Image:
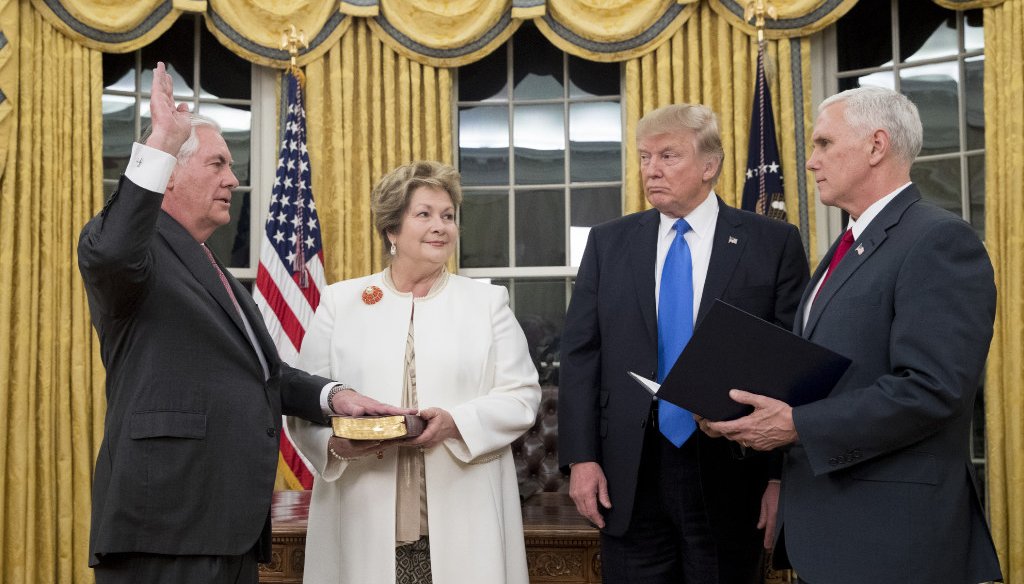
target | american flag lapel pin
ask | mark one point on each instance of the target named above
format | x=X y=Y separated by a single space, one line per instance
x=733 y=240
x=860 y=249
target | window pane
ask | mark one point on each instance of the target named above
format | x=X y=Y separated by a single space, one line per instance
x=536 y=65
x=176 y=48
x=223 y=74
x=595 y=141
x=590 y=207
x=589 y=78
x=483 y=222
x=118 y=134
x=540 y=228
x=976 y=183
x=236 y=127
x=486 y=79
x=854 y=52
x=540 y=309
x=119 y=71
x=939 y=182
x=935 y=91
x=880 y=79
x=483 y=145
x=974 y=34
x=974 y=88
x=539 y=139
x=927 y=31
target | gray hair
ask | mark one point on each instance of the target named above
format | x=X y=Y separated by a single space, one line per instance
x=870 y=108
x=189 y=147
x=684 y=117
x=390 y=198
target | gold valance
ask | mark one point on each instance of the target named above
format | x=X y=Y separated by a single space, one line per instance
x=612 y=30
x=111 y=26
x=440 y=33
x=252 y=29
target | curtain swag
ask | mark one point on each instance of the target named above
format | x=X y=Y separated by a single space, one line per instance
x=440 y=33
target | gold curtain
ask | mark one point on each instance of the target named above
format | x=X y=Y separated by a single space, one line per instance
x=368 y=110
x=675 y=72
x=1004 y=236
x=52 y=404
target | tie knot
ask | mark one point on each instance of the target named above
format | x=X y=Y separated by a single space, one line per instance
x=681 y=227
x=848 y=237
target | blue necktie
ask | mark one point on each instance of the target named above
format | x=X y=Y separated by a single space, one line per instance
x=675 y=327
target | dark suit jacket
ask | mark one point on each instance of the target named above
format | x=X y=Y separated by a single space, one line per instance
x=189 y=452
x=880 y=487
x=611 y=328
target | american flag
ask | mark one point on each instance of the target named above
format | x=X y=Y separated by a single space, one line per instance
x=291 y=270
x=762 y=190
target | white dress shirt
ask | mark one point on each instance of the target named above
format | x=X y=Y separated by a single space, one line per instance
x=699 y=238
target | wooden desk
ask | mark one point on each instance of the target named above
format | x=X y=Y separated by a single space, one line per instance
x=560 y=545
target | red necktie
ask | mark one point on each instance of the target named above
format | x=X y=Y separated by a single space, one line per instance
x=844 y=245
x=223 y=279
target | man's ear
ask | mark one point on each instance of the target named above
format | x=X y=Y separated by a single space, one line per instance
x=170 y=181
x=711 y=164
x=880 y=144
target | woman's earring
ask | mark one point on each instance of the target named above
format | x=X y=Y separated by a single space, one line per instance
x=394 y=250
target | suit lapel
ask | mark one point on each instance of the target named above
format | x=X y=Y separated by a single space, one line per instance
x=863 y=248
x=730 y=238
x=643 y=256
x=194 y=258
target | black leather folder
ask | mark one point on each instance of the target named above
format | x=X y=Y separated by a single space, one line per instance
x=734 y=349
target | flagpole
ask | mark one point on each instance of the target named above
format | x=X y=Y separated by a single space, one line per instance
x=292 y=39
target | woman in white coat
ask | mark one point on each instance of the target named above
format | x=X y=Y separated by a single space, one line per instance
x=443 y=507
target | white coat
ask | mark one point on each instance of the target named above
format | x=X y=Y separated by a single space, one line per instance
x=471 y=360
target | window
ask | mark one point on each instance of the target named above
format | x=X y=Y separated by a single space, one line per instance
x=214 y=82
x=936 y=58
x=540 y=152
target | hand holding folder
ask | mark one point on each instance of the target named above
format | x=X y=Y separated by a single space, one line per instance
x=732 y=349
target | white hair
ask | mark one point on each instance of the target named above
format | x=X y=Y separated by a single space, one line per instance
x=870 y=108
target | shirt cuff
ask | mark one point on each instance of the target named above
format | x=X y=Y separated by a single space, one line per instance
x=324 y=406
x=150 y=168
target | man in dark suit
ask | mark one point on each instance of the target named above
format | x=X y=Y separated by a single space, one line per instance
x=195 y=387
x=668 y=513
x=877 y=482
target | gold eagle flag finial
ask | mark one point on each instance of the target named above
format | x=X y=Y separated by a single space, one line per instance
x=292 y=40
x=755 y=11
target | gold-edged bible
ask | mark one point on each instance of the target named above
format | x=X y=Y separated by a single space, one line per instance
x=377 y=427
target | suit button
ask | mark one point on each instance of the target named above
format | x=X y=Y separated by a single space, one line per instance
x=833 y=461
x=271 y=432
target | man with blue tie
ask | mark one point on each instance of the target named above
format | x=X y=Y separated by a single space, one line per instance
x=674 y=505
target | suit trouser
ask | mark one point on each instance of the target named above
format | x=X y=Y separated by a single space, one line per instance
x=669 y=540
x=137 y=568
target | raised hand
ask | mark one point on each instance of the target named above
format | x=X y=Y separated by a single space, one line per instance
x=171 y=125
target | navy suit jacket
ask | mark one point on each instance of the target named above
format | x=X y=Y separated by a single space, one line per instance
x=189 y=451
x=757 y=264
x=880 y=487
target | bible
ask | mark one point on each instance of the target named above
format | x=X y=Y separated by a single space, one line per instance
x=377 y=427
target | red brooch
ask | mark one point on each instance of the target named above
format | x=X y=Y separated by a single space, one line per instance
x=372 y=295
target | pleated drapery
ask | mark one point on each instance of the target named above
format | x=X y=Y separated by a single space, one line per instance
x=1004 y=237
x=52 y=404
x=379 y=95
x=374 y=109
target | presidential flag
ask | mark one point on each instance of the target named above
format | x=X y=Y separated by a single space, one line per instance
x=762 y=190
x=291 y=271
